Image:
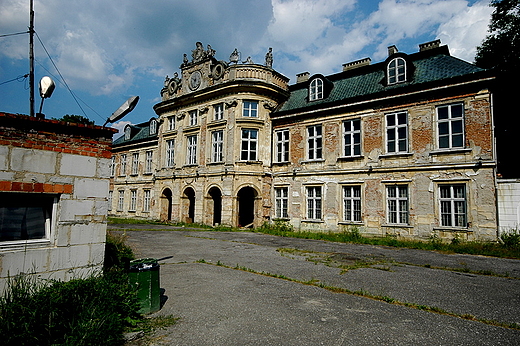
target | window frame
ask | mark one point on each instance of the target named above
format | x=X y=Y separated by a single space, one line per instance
x=191 y=150
x=113 y=166
x=171 y=123
x=394 y=75
x=153 y=127
x=352 y=203
x=218 y=111
x=394 y=205
x=456 y=219
x=281 y=202
x=282 y=145
x=148 y=161
x=314 y=202
x=249 y=145
x=121 y=200
x=354 y=137
x=122 y=165
x=248 y=111
x=450 y=121
x=133 y=200
x=170 y=153
x=48 y=203
x=147 y=198
x=393 y=133
x=315 y=143
x=135 y=163
x=316 y=89
x=217 y=146
x=193 y=116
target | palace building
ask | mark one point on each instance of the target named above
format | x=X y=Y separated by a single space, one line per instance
x=401 y=147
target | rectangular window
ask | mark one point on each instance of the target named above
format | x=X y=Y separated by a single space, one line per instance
x=122 y=165
x=281 y=199
x=450 y=126
x=314 y=142
x=314 y=202
x=121 y=200
x=25 y=216
x=135 y=163
x=352 y=203
x=397 y=204
x=397 y=132
x=352 y=137
x=149 y=161
x=217 y=143
x=110 y=196
x=170 y=151
x=191 y=156
x=171 y=123
x=249 y=142
x=133 y=200
x=282 y=146
x=218 y=111
x=146 y=200
x=453 y=205
x=193 y=117
x=113 y=166
x=250 y=109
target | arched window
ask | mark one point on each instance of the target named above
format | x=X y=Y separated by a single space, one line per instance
x=316 y=89
x=153 y=127
x=128 y=132
x=396 y=71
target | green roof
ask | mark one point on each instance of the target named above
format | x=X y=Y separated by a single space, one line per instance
x=427 y=67
x=138 y=133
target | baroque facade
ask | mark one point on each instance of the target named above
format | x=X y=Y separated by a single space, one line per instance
x=402 y=147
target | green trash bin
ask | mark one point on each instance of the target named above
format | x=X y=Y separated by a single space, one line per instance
x=144 y=277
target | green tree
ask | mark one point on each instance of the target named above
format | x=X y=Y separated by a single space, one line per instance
x=78 y=119
x=501 y=48
x=500 y=51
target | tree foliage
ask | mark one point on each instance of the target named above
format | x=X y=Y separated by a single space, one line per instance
x=501 y=48
x=78 y=119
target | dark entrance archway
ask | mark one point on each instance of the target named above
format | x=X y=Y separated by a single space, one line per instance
x=189 y=205
x=246 y=206
x=216 y=197
x=166 y=205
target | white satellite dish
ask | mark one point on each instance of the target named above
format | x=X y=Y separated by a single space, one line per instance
x=46 y=88
x=125 y=108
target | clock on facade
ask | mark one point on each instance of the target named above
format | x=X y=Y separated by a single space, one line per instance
x=195 y=80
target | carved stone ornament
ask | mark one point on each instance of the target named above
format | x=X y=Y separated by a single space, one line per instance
x=271 y=106
x=173 y=84
x=231 y=103
x=218 y=70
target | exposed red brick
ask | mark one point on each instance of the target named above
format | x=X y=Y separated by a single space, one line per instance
x=5 y=186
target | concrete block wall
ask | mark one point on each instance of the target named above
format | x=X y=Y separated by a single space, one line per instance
x=508 y=195
x=72 y=163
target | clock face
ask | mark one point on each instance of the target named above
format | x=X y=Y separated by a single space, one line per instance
x=195 y=80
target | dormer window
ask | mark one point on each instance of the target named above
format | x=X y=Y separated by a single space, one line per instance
x=153 y=127
x=396 y=71
x=128 y=133
x=316 y=89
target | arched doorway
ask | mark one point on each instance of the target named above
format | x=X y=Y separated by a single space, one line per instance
x=189 y=205
x=166 y=205
x=216 y=198
x=246 y=206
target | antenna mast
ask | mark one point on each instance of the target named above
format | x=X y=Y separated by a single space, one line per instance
x=31 y=60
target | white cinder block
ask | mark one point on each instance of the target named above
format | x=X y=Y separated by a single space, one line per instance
x=104 y=168
x=91 y=188
x=4 y=152
x=38 y=161
x=70 y=209
x=77 y=165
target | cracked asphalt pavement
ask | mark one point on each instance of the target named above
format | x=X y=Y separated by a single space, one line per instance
x=243 y=288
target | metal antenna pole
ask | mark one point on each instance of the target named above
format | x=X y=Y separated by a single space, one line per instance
x=31 y=60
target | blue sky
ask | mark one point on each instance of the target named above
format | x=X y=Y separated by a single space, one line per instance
x=108 y=51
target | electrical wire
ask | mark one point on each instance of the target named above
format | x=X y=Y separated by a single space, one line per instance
x=18 y=79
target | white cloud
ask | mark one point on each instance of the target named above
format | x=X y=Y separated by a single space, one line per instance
x=120 y=126
x=466 y=30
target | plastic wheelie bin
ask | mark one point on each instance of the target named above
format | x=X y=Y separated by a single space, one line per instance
x=144 y=277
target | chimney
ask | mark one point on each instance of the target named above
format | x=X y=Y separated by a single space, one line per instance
x=392 y=50
x=429 y=45
x=302 y=77
x=355 y=64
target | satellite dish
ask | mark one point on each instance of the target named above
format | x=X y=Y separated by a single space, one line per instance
x=125 y=108
x=46 y=87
